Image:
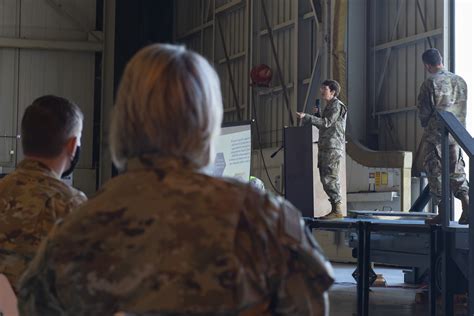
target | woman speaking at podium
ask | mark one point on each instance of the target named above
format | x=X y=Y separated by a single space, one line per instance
x=331 y=144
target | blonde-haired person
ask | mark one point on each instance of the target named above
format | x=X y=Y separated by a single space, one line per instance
x=163 y=238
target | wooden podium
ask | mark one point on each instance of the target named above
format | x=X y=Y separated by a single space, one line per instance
x=303 y=187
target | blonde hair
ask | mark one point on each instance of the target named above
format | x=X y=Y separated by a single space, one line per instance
x=169 y=102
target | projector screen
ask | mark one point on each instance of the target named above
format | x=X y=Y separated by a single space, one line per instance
x=233 y=152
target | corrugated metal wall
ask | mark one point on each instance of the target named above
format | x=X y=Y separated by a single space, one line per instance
x=29 y=72
x=294 y=33
x=400 y=31
x=247 y=41
x=8 y=83
x=197 y=27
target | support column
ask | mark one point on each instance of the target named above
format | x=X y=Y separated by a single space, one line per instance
x=105 y=171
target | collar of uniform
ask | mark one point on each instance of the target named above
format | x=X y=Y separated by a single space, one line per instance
x=36 y=166
x=440 y=71
x=150 y=161
x=333 y=100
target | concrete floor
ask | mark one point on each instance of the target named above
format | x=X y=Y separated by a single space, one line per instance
x=396 y=299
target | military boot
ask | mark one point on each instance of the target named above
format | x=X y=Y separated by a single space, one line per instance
x=438 y=219
x=464 y=219
x=336 y=212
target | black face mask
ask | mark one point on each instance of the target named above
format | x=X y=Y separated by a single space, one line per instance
x=74 y=162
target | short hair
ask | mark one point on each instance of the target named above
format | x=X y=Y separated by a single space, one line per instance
x=169 y=103
x=432 y=57
x=333 y=85
x=47 y=124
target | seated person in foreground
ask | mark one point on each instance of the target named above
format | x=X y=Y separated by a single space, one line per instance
x=163 y=238
x=33 y=197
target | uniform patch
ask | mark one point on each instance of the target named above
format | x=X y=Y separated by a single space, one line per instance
x=291 y=224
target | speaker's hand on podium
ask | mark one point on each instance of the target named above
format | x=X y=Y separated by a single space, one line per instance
x=300 y=115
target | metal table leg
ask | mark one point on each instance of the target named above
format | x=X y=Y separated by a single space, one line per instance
x=366 y=268
x=432 y=288
x=448 y=295
x=471 y=239
x=360 y=266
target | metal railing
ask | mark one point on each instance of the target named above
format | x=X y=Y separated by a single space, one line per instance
x=454 y=128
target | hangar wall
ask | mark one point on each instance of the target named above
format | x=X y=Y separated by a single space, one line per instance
x=48 y=47
x=400 y=31
x=51 y=46
x=385 y=40
x=245 y=40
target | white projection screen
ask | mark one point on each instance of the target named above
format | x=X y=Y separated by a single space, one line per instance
x=233 y=152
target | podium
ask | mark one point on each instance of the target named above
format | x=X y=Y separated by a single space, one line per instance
x=298 y=168
x=303 y=188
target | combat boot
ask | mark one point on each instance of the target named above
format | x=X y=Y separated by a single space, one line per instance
x=336 y=212
x=464 y=219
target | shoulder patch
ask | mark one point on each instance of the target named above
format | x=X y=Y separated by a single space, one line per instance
x=291 y=222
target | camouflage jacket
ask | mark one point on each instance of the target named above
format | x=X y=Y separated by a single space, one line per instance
x=164 y=239
x=331 y=125
x=32 y=199
x=441 y=91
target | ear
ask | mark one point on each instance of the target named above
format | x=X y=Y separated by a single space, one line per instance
x=71 y=146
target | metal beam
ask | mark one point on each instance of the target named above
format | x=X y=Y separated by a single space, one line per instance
x=61 y=10
x=280 y=27
x=229 y=70
x=295 y=49
x=447 y=286
x=449 y=53
x=471 y=239
x=423 y=20
x=313 y=83
x=387 y=57
x=446 y=195
x=275 y=89
x=277 y=62
x=458 y=132
x=433 y=273
x=84 y=46
x=228 y=6
x=309 y=15
x=207 y=11
x=232 y=57
x=233 y=109
x=396 y=111
x=195 y=30
x=108 y=59
x=409 y=39
x=314 y=12
x=317 y=10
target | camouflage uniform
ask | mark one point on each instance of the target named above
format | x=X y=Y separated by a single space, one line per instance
x=331 y=145
x=32 y=198
x=442 y=91
x=163 y=239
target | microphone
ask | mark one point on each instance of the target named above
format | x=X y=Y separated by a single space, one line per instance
x=318 y=107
